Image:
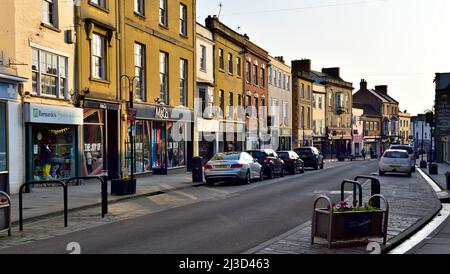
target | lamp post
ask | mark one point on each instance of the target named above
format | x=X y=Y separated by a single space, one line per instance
x=131 y=119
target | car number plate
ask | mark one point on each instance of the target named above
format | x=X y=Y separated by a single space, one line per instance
x=395 y=166
x=222 y=167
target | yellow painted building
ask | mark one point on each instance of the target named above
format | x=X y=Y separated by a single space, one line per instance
x=405 y=127
x=158 y=46
x=229 y=85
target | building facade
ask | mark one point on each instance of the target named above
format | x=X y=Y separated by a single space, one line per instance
x=229 y=85
x=163 y=90
x=207 y=125
x=357 y=131
x=256 y=94
x=405 y=136
x=36 y=87
x=302 y=103
x=388 y=108
x=319 y=117
x=371 y=129
x=339 y=116
x=442 y=117
x=280 y=104
x=421 y=132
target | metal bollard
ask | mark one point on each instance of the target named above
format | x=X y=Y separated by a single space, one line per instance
x=104 y=193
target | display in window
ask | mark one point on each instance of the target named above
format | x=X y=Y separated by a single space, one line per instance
x=94 y=133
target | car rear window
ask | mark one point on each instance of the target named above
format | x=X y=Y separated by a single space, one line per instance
x=396 y=155
x=227 y=157
x=303 y=151
x=258 y=154
x=409 y=149
x=283 y=154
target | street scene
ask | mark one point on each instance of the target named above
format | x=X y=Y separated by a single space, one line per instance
x=212 y=127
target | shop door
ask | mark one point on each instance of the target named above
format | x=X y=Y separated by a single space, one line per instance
x=4 y=185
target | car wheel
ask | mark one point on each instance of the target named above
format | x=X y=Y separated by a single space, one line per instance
x=271 y=173
x=409 y=174
x=316 y=167
x=413 y=169
x=282 y=172
x=322 y=165
x=381 y=173
x=294 y=171
x=261 y=175
x=210 y=182
x=248 y=178
x=303 y=170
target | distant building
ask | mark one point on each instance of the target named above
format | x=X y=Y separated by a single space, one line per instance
x=372 y=129
x=338 y=109
x=319 y=117
x=280 y=104
x=442 y=108
x=421 y=134
x=358 y=131
x=405 y=136
x=384 y=104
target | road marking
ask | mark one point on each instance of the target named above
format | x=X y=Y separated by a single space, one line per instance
x=435 y=186
x=192 y=197
x=215 y=189
x=424 y=232
x=164 y=199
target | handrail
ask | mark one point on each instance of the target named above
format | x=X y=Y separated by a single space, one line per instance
x=313 y=230
x=104 y=189
x=385 y=224
x=355 y=185
x=64 y=185
x=4 y=194
x=375 y=187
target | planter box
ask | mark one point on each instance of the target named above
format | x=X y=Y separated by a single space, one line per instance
x=122 y=187
x=349 y=225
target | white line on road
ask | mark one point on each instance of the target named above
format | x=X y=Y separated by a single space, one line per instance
x=430 y=227
x=424 y=232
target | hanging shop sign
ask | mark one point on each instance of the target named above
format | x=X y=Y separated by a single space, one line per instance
x=46 y=114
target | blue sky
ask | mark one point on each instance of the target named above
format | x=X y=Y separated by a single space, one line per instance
x=400 y=43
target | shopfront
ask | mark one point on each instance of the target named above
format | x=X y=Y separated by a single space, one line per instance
x=232 y=137
x=285 y=139
x=340 y=141
x=100 y=142
x=162 y=140
x=52 y=138
x=208 y=138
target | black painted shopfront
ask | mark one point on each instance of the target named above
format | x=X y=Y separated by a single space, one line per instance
x=163 y=140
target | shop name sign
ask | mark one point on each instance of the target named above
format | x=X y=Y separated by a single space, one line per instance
x=46 y=114
x=161 y=113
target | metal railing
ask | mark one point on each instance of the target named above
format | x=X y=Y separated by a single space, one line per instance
x=61 y=183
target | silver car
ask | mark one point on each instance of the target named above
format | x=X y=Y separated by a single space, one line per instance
x=233 y=166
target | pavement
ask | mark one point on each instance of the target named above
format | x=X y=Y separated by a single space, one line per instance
x=48 y=201
x=438 y=242
x=235 y=218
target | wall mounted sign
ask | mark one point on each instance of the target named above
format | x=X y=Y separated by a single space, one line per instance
x=47 y=114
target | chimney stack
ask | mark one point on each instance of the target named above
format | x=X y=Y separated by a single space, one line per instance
x=280 y=58
x=333 y=72
x=301 y=65
x=383 y=89
x=363 y=84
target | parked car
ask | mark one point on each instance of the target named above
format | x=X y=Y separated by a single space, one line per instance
x=397 y=161
x=292 y=162
x=233 y=166
x=271 y=163
x=311 y=157
x=411 y=154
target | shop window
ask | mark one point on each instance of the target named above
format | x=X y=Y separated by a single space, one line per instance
x=3 y=158
x=141 y=147
x=176 y=146
x=159 y=145
x=53 y=152
x=93 y=142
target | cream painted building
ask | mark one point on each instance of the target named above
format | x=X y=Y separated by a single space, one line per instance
x=207 y=126
x=405 y=127
x=280 y=104
x=319 y=118
x=37 y=48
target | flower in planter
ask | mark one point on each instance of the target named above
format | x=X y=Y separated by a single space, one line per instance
x=345 y=206
x=3 y=200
